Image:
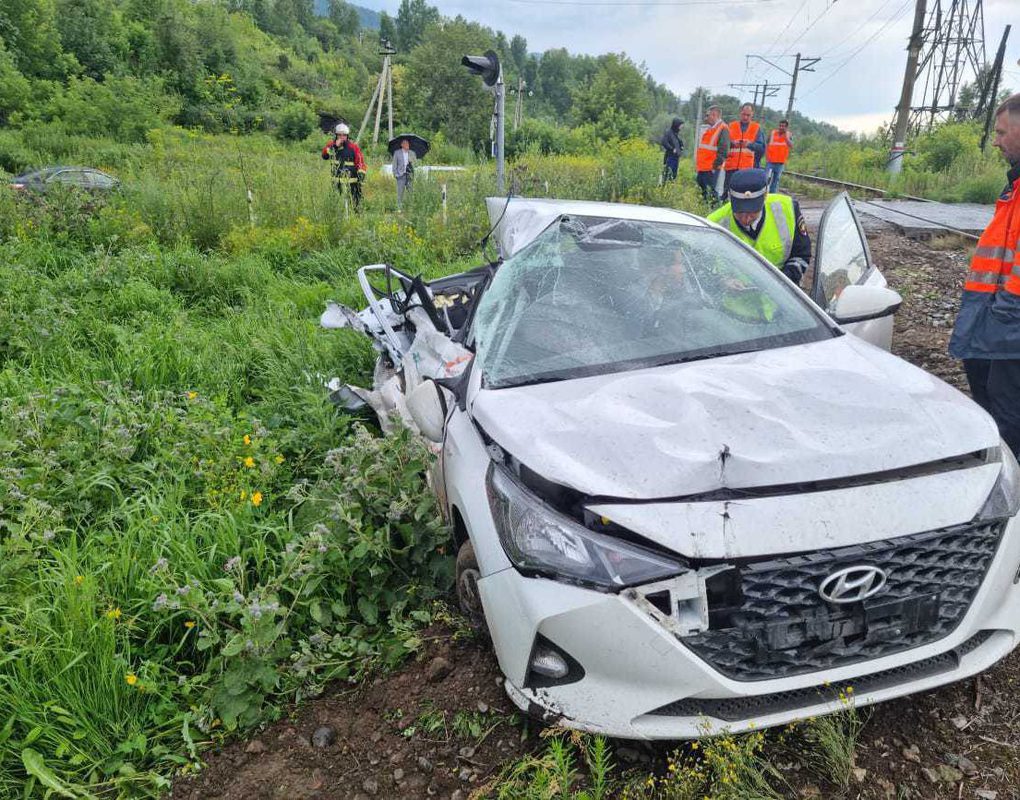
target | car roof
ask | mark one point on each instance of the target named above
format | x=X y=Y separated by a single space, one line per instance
x=43 y=172
x=519 y=220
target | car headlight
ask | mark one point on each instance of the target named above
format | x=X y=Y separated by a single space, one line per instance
x=1004 y=500
x=540 y=540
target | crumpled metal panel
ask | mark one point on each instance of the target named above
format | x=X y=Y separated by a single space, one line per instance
x=782 y=627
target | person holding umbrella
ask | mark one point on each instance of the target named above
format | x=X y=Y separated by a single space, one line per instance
x=406 y=149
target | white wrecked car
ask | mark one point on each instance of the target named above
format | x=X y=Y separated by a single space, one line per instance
x=685 y=498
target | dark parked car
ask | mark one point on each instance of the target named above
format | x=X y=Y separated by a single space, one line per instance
x=86 y=178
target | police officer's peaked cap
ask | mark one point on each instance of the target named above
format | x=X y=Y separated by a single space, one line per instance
x=747 y=190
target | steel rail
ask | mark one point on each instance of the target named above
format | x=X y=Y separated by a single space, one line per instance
x=883 y=192
x=834 y=182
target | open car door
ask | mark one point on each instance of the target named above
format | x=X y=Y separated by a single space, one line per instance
x=842 y=259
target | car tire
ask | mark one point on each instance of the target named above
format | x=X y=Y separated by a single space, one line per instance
x=468 y=597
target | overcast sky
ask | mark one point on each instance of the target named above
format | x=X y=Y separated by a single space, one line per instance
x=687 y=43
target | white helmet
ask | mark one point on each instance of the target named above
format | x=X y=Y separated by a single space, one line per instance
x=341 y=128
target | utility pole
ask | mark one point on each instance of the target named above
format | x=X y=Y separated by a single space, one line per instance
x=500 y=131
x=993 y=80
x=767 y=90
x=909 y=75
x=519 y=104
x=952 y=45
x=383 y=88
x=697 y=127
x=793 y=87
x=801 y=64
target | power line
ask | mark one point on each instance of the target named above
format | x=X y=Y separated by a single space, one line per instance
x=789 y=47
x=898 y=14
x=760 y=70
x=815 y=21
x=782 y=33
x=850 y=36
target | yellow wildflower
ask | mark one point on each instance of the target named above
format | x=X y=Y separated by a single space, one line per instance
x=278 y=459
x=113 y=613
x=79 y=580
x=131 y=679
x=246 y=439
x=249 y=462
x=189 y=624
x=192 y=395
x=256 y=499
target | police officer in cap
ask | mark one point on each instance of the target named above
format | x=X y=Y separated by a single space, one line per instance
x=770 y=223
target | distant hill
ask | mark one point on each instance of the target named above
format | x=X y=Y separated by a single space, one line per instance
x=367 y=17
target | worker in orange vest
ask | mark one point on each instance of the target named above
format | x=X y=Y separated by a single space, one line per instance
x=713 y=146
x=987 y=331
x=747 y=144
x=777 y=151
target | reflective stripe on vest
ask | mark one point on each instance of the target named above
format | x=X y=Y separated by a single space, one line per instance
x=708 y=147
x=775 y=239
x=740 y=155
x=778 y=149
x=996 y=258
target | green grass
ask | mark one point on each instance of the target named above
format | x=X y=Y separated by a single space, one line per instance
x=191 y=536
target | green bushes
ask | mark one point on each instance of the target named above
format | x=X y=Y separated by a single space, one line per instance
x=295 y=122
x=943 y=164
x=191 y=536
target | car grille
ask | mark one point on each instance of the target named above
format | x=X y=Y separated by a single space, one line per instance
x=767 y=620
x=732 y=709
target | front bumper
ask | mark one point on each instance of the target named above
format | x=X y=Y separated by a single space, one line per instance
x=641 y=682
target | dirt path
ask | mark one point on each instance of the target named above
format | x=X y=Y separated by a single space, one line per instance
x=443 y=726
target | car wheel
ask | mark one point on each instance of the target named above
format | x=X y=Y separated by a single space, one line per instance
x=468 y=574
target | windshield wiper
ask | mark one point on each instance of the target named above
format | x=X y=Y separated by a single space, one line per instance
x=575 y=373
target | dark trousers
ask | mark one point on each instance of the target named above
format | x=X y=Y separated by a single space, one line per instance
x=706 y=181
x=995 y=386
x=670 y=164
x=726 y=185
x=355 y=189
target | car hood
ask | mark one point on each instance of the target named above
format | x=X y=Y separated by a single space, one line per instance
x=818 y=411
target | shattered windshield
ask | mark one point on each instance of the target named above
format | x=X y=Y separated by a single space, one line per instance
x=594 y=295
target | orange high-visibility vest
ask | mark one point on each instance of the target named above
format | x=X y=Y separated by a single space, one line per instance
x=996 y=261
x=741 y=155
x=988 y=325
x=778 y=148
x=708 y=147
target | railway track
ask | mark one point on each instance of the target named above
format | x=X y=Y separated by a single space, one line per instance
x=882 y=193
x=849 y=185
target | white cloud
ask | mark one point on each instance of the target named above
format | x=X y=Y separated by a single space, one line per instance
x=688 y=46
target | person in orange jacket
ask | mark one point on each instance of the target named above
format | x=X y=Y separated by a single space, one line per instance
x=747 y=145
x=349 y=164
x=987 y=331
x=777 y=151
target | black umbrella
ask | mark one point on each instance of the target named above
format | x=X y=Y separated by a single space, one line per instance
x=418 y=145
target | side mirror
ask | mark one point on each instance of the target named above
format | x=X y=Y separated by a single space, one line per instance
x=427 y=407
x=861 y=303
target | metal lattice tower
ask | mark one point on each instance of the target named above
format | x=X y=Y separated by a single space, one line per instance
x=952 y=52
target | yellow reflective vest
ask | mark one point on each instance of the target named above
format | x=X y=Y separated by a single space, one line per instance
x=775 y=240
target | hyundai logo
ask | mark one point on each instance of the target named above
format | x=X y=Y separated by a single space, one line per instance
x=851 y=585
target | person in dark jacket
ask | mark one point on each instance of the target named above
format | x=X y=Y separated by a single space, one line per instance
x=349 y=165
x=987 y=331
x=673 y=147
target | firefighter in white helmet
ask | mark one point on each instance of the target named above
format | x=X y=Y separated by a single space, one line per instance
x=348 y=162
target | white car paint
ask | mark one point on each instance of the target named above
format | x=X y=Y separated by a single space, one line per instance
x=828 y=409
x=785 y=454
